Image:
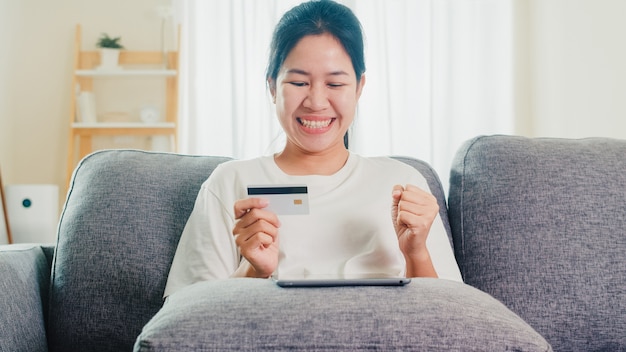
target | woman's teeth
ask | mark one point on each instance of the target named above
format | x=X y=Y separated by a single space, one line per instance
x=315 y=124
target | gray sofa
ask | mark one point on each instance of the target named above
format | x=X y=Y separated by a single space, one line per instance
x=538 y=227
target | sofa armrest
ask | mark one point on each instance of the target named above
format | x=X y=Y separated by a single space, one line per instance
x=24 y=282
x=539 y=224
x=256 y=314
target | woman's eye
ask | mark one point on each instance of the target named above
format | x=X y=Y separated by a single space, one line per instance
x=335 y=85
x=298 y=84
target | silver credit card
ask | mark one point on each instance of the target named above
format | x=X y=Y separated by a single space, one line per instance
x=283 y=199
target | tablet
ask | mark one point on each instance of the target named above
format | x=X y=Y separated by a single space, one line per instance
x=398 y=281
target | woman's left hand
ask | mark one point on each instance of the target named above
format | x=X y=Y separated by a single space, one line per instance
x=413 y=212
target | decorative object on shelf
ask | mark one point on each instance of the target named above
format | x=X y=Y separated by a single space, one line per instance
x=109 y=52
x=86 y=107
x=150 y=114
x=5 y=214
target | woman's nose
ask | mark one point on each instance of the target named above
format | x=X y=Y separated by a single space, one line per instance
x=317 y=98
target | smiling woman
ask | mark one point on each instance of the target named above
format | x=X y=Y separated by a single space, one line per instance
x=368 y=217
x=437 y=74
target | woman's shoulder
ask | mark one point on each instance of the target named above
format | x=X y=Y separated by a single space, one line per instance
x=398 y=169
x=391 y=163
x=241 y=165
x=235 y=171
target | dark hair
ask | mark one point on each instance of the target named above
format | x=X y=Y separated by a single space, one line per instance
x=314 y=18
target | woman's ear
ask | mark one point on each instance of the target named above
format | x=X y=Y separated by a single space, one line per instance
x=272 y=85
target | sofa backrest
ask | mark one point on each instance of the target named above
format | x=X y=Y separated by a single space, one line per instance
x=118 y=233
x=540 y=224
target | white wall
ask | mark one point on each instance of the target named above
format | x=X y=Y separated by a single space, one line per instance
x=36 y=61
x=577 y=82
x=7 y=10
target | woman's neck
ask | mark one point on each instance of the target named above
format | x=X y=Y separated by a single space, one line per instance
x=298 y=163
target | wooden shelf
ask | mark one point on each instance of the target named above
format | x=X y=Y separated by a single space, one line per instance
x=133 y=65
x=124 y=72
x=123 y=125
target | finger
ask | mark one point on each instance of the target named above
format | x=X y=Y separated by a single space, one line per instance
x=243 y=206
x=259 y=239
x=254 y=240
x=415 y=208
x=262 y=214
x=251 y=216
x=256 y=220
x=262 y=239
x=426 y=210
x=396 y=194
x=417 y=223
x=414 y=194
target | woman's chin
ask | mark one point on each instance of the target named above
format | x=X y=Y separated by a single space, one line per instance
x=320 y=147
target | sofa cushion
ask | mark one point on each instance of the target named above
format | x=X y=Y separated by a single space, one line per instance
x=540 y=225
x=256 y=314
x=118 y=232
x=23 y=294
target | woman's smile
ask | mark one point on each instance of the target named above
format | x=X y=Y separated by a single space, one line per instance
x=315 y=125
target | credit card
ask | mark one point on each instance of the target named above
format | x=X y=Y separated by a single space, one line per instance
x=283 y=199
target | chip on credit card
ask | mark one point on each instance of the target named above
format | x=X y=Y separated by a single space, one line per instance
x=283 y=199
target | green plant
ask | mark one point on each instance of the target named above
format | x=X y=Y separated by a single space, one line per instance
x=107 y=42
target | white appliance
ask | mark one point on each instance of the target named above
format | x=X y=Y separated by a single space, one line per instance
x=33 y=212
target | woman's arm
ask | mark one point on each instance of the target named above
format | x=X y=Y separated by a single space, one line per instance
x=413 y=212
x=205 y=250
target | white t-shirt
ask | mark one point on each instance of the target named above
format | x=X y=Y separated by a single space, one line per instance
x=347 y=233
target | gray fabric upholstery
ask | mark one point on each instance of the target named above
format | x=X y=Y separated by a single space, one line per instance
x=25 y=275
x=118 y=233
x=540 y=224
x=48 y=251
x=257 y=315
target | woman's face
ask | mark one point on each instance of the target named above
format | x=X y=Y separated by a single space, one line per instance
x=316 y=93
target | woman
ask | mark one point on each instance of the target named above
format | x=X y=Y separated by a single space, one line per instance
x=369 y=217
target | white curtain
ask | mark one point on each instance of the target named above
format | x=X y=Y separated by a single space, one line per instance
x=438 y=73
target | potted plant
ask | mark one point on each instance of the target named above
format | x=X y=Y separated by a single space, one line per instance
x=109 y=52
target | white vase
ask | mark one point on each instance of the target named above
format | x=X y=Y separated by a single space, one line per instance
x=109 y=59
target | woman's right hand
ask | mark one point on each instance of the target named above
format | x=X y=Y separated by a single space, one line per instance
x=256 y=235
